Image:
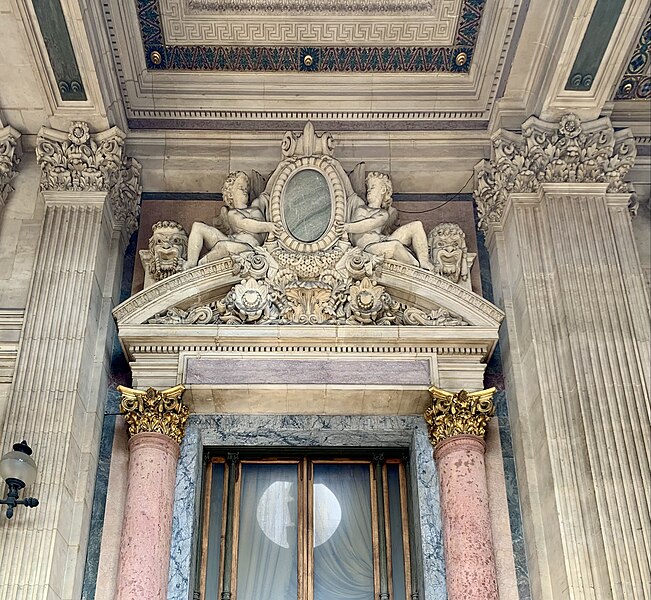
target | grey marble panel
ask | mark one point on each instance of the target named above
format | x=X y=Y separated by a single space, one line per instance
x=251 y=370
x=283 y=431
x=307 y=205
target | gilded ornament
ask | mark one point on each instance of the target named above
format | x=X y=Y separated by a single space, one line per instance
x=156 y=57
x=461 y=59
x=460 y=413
x=154 y=411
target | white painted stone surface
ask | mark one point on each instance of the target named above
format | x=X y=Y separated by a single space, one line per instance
x=576 y=349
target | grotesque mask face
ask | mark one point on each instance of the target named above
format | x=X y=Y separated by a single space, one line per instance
x=448 y=251
x=169 y=249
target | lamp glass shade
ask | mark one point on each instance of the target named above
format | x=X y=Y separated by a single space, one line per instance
x=18 y=465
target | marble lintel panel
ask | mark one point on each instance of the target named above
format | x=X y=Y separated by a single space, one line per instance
x=254 y=370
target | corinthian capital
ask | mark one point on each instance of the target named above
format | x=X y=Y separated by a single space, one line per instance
x=154 y=411
x=9 y=159
x=564 y=152
x=460 y=413
x=80 y=161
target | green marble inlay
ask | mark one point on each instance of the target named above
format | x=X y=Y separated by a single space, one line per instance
x=59 y=48
x=596 y=39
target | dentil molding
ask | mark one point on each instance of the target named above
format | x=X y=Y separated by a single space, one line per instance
x=564 y=152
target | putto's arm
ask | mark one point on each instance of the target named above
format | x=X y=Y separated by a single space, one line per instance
x=373 y=223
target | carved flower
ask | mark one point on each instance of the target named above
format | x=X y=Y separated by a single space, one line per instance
x=251 y=299
x=570 y=126
x=79 y=133
x=366 y=300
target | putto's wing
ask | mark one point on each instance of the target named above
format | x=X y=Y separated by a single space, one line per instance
x=258 y=183
x=221 y=222
x=392 y=222
x=358 y=179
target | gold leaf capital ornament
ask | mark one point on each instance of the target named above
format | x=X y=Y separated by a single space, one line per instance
x=460 y=413
x=154 y=411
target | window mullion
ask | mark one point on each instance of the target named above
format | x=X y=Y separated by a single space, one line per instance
x=232 y=506
x=309 y=530
x=378 y=459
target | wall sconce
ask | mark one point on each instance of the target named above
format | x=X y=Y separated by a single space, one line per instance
x=18 y=469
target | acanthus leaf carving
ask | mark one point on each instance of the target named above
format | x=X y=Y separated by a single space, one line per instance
x=9 y=159
x=567 y=152
x=274 y=294
x=81 y=161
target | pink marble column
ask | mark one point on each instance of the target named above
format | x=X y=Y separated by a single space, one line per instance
x=156 y=422
x=456 y=425
x=469 y=559
x=147 y=528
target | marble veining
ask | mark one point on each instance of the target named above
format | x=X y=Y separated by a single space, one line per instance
x=308 y=431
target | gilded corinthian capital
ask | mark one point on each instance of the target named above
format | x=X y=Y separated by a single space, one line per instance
x=460 y=413
x=154 y=411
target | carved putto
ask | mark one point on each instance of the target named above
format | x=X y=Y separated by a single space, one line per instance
x=167 y=252
x=308 y=249
x=243 y=227
x=449 y=253
x=370 y=227
x=567 y=152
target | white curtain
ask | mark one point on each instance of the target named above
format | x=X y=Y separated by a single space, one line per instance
x=343 y=556
x=268 y=539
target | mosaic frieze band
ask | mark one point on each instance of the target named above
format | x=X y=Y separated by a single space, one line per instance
x=161 y=55
x=636 y=82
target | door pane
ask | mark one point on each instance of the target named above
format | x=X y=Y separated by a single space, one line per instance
x=267 y=563
x=343 y=542
x=215 y=531
x=397 y=543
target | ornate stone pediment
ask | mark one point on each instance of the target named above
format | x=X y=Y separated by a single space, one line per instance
x=310 y=250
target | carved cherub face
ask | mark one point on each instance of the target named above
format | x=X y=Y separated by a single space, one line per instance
x=236 y=190
x=448 y=251
x=378 y=190
x=169 y=249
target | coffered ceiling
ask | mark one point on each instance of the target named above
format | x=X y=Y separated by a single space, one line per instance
x=215 y=64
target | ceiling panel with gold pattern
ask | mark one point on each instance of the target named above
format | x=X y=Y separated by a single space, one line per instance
x=346 y=64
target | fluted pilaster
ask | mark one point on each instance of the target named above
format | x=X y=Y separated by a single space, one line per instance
x=60 y=378
x=554 y=205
